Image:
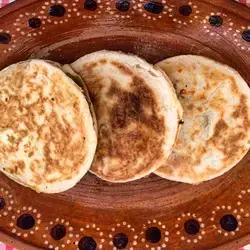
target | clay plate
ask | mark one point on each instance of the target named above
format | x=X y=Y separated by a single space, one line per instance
x=151 y=213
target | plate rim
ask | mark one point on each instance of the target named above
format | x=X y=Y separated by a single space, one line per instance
x=233 y=7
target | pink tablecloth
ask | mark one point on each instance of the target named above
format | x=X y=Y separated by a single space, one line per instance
x=4 y=247
x=243 y=248
x=245 y=2
x=5 y=2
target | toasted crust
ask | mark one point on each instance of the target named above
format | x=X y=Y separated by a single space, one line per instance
x=47 y=138
x=216 y=131
x=137 y=114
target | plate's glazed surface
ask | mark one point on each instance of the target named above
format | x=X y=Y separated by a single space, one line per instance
x=151 y=213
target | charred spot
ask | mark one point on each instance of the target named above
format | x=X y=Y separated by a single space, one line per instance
x=90 y=66
x=30 y=154
x=200 y=109
x=202 y=98
x=183 y=92
x=236 y=113
x=244 y=111
x=220 y=127
x=133 y=107
x=20 y=166
x=135 y=102
x=103 y=61
x=122 y=68
x=190 y=107
x=186 y=92
x=199 y=98
x=113 y=90
x=138 y=81
x=118 y=117
x=216 y=76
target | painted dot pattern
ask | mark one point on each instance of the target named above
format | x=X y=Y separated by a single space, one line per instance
x=185 y=10
x=4 y=38
x=57 y=11
x=58 y=232
x=154 y=7
x=215 y=20
x=34 y=22
x=2 y=203
x=26 y=221
x=228 y=218
x=87 y=243
x=90 y=5
x=151 y=10
x=153 y=234
x=229 y=223
x=246 y=35
x=190 y=228
x=122 y=5
x=120 y=240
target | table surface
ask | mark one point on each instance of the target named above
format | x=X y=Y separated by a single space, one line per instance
x=5 y=2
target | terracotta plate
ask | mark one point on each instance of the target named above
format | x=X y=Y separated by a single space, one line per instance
x=152 y=213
